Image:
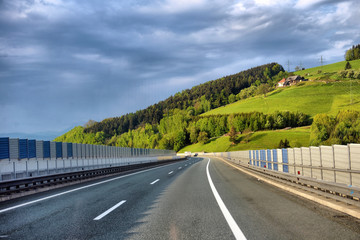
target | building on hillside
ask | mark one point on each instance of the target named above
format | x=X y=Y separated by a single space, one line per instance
x=281 y=83
x=290 y=81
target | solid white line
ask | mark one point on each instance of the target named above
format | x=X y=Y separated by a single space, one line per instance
x=109 y=210
x=155 y=181
x=179 y=168
x=230 y=220
x=76 y=189
x=171 y=172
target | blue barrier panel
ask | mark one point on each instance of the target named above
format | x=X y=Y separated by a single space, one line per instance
x=257 y=158
x=58 y=149
x=69 y=150
x=23 y=148
x=32 y=148
x=269 y=159
x=285 y=160
x=4 y=148
x=46 y=149
x=262 y=158
x=253 y=157
x=250 y=157
x=275 y=159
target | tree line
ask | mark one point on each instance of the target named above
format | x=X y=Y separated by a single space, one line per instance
x=180 y=129
x=340 y=129
x=353 y=53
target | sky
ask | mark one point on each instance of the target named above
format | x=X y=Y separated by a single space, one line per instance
x=63 y=62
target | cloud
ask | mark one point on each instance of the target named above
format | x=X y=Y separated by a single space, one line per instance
x=268 y=3
x=173 y=6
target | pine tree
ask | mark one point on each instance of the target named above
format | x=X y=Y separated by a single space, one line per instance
x=232 y=135
x=347 y=66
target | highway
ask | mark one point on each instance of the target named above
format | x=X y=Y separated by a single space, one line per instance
x=193 y=199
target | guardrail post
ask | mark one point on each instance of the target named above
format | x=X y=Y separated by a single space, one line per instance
x=294 y=161
x=302 y=163
x=321 y=164
x=311 y=168
x=349 y=155
x=14 y=169
x=333 y=149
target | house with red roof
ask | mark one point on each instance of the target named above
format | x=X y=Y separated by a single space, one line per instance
x=282 y=82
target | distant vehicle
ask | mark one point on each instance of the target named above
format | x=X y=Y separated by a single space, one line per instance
x=188 y=154
x=195 y=154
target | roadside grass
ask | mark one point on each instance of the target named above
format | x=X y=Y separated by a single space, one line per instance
x=298 y=137
x=310 y=98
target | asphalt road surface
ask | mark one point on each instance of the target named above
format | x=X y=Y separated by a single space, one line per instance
x=193 y=199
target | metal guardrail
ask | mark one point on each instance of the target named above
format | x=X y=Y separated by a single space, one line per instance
x=349 y=192
x=33 y=168
x=12 y=186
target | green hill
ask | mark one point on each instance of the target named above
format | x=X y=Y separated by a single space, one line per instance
x=328 y=91
x=310 y=98
x=187 y=117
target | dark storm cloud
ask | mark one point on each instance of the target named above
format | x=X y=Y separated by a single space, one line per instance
x=64 y=62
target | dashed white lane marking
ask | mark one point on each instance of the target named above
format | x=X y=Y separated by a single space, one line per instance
x=155 y=181
x=76 y=189
x=185 y=165
x=179 y=167
x=230 y=220
x=171 y=172
x=109 y=210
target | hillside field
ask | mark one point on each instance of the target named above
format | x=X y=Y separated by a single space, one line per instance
x=257 y=140
x=329 y=71
x=310 y=98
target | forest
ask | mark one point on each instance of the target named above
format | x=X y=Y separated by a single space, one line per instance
x=196 y=100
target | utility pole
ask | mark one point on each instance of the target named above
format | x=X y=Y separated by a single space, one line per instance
x=288 y=65
x=321 y=61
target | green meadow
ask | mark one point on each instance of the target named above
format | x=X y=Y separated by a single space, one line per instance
x=307 y=97
x=328 y=72
x=298 y=137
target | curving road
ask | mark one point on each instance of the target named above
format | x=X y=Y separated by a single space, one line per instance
x=194 y=199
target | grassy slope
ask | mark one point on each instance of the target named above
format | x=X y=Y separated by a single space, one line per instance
x=329 y=71
x=258 y=140
x=311 y=98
